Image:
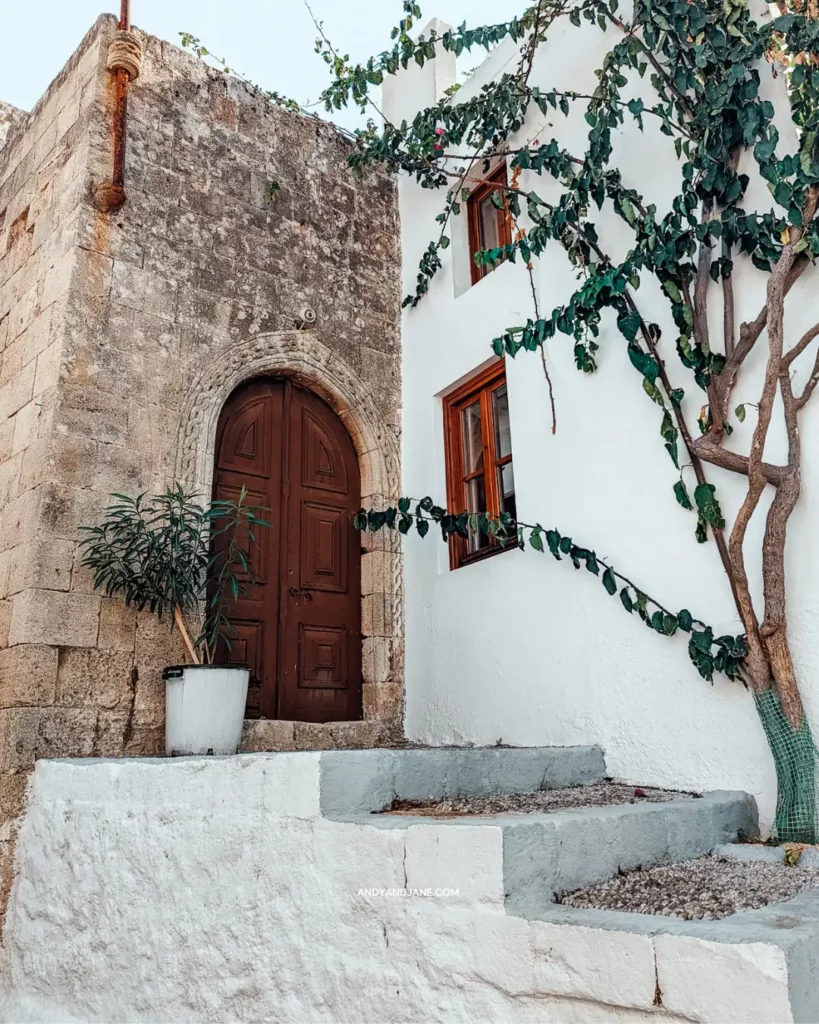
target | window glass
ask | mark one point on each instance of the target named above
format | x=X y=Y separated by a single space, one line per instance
x=503 y=435
x=488 y=214
x=506 y=489
x=473 y=439
x=476 y=502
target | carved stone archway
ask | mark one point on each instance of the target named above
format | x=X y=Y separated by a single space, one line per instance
x=302 y=356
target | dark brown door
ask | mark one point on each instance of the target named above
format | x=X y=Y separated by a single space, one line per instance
x=298 y=627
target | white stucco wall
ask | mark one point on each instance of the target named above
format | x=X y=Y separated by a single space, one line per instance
x=212 y=890
x=519 y=648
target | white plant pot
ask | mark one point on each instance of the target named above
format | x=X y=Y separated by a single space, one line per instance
x=204 y=709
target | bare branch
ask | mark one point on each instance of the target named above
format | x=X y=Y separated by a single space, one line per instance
x=728 y=327
x=701 y=292
x=800 y=347
x=711 y=451
x=769 y=652
x=774 y=630
x=810 y=387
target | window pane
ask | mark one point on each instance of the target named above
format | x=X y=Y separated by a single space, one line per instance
x=506 y=489
x=488 y=219
x=473 y=440
x=503 y=435
x=476 y=502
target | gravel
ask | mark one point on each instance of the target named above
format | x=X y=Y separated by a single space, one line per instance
x=601 y=794
x=708 y=889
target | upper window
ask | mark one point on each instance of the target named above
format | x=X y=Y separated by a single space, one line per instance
x=480 y=477
x=488 y=226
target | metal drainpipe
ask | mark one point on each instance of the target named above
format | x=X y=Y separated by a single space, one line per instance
x=121 y=109
x=111 y=194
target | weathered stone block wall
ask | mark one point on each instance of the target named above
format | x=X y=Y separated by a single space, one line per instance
x=110 y=325
x=43 y=174
x=10 y=118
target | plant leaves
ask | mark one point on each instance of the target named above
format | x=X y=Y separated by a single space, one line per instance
x=709 y=507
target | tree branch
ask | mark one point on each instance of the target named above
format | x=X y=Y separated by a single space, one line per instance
x=774 y=630
x=759 y=667
x=711 y=451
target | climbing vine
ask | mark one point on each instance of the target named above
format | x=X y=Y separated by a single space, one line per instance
x=709 y=654
x=698 y=73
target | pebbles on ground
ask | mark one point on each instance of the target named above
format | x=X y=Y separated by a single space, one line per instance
x=708 y=889
x=601 y=794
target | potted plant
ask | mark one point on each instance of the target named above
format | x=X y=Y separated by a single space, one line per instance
x=176 y=557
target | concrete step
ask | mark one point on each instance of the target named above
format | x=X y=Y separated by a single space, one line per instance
x=546 y=854
x=355 y=783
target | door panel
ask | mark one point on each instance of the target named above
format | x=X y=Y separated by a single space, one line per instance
x=298 y=628
x=323 y=463
x=321 y=635
x=324 y=548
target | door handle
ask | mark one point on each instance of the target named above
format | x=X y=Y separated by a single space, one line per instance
x=295 y=592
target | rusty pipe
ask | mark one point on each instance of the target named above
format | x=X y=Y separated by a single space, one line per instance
x=111 y=195
x=121 y=111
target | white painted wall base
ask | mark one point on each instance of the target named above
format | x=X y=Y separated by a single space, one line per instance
x=214 y=890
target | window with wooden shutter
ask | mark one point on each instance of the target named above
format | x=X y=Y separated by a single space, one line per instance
x=480 y=474
x=488 y=226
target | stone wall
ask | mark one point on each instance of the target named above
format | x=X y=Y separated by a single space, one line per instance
x=43 y=173
x=123 y=333
x=10 y=118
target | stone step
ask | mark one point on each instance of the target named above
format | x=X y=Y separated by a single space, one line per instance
x=355 y=783
x=546 y=854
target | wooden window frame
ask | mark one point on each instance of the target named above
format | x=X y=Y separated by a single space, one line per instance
x=473 y=205
x=480 y=387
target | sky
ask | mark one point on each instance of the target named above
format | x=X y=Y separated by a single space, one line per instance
x=269 y=41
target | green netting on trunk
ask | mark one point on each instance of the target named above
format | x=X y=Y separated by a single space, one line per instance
x=796 y=760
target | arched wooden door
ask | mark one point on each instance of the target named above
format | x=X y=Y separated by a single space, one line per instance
x=298 y=628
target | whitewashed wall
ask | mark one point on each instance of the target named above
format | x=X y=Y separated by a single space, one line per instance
x=520 y=648
x=213 y=890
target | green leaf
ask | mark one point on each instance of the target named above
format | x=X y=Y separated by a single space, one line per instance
x=628 y=211
x=609 y=582
x=625 y=597
x=806 y=156
x=681 y=494
x=422 y=526
x=685 y=620
x=536 y=539
x=643 y=362
x=671 y=448
x=740 y=413
x=653 y=392
x=629 y=325
x=709 y=508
